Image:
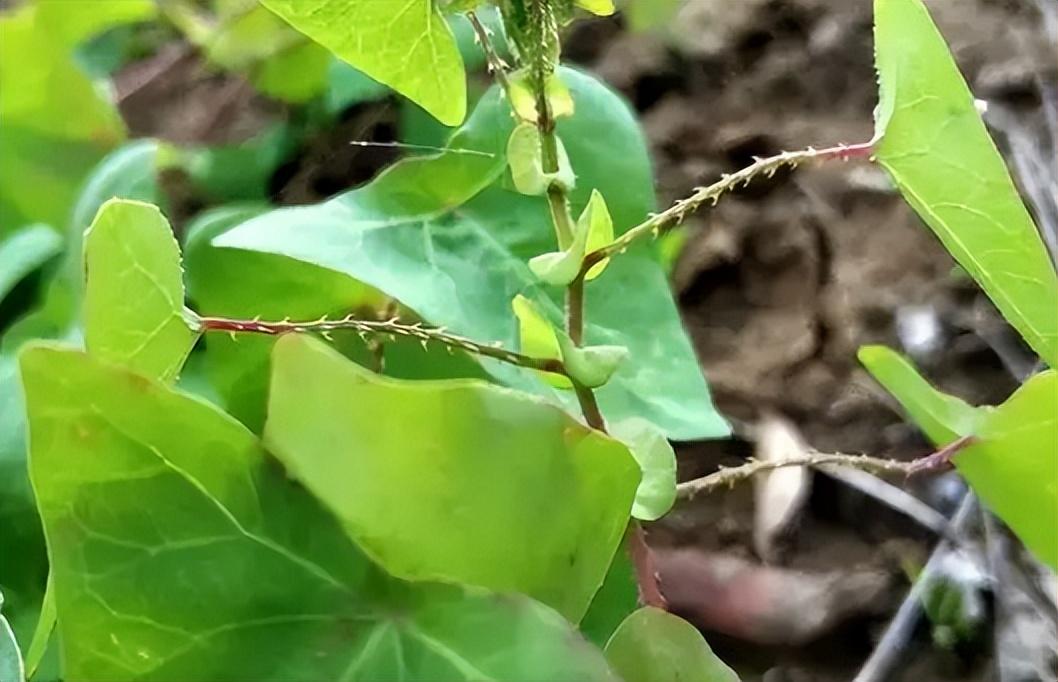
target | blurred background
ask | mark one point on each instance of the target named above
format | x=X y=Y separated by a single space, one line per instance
x=800 y=578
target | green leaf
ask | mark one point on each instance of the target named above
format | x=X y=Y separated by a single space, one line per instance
x=444 y=237
x=406 y=44
x=591 y=366
x=603 y=8
x=525 y=156
x=11 y=669
x=296 y=74
x=942 y=417
x=617 y=599
x=657 y=461
x=233 y=571
x=484 y=465
x=538 y=338
x=134 y=299
x=23 y=252
x=38 y=646
x=1013 y=467
x=655 y=646
x=938 y=152
x=523 y=96
x=594 y=230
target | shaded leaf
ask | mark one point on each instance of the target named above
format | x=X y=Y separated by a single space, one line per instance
x=591 y=366
x=38 y=646
x=655 y=646
x=616 y=599
x=406 y=44
x=134 y=298
x=24 y=251
x=11 y=669
x=1013 y=467
x=942 y=417
x=938 y=152
x=266 y=600
x=428 y=233
x=483 y=465
x=657 y=489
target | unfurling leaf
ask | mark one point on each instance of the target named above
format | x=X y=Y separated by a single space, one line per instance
x=591 y=366
x=655 y=646
x=657 y=489
x=537 y=338
x=134 y=297
x=525 y=157
x=523 y=96
x=594 y=230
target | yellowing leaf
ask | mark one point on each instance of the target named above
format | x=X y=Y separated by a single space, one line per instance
x=938 y=152
x=134 y=297
x=405 y=44
x=537 y=338
x=596 y=221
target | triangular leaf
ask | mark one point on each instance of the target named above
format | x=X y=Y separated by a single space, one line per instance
x=538 y=338
x=938 y=152
x=942 y=417
x=1013 y=465
x=596 y=221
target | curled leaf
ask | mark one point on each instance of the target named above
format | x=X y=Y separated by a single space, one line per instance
x=594 y=230
x=657 y=488
x=591 y=366
x=538 y=338
x=523 y=97
x=525 y=157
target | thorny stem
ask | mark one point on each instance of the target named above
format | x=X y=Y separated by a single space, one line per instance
x=675 y=214
x=497 y=66
x=728 y=477
x=377 y=329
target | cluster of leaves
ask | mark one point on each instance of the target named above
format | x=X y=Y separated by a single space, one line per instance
x=266 y=507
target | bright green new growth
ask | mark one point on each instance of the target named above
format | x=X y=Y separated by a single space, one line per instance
x=280 y=592
x=485 y=465
x=942 y=417
x=938 y=152
x=405 y=44
x=654 y=646
x=1011 y=462
x=525 y=157
x=134 y=301
x=1014 y=468
x=594 y=230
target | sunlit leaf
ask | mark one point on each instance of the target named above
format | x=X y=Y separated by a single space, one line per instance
x=1014 y=468
x=655 y=646
x=942 y=417
x=603 y=8
x=406 y=44
x=134 y=298
x=275 y=590
x=525 y=156
x=938 y=152
x=481 y=465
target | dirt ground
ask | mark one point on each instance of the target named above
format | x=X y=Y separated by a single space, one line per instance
x=779 y=286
